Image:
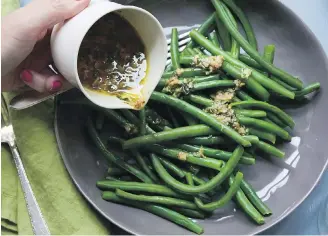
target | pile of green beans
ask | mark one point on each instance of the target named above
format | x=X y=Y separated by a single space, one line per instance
x=183 y=150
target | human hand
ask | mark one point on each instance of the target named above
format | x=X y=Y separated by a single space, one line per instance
x=25 y=44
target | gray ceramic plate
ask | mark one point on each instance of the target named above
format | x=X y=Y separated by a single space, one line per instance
x=282 y=184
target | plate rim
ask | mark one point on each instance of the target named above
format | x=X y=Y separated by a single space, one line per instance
x=258 y=229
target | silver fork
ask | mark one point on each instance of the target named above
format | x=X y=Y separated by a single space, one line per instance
x=39 y=225
x=31 y=98
x=182 y=41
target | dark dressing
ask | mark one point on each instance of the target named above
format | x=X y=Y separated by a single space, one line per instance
x=112 y=59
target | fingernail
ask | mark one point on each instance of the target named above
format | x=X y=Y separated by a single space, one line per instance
x=56 y=85
x=26 y=76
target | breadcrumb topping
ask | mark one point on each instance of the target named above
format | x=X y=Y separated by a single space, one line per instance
x=177 y=87
x=212 y=63
x=223 y=112
x=182 y=156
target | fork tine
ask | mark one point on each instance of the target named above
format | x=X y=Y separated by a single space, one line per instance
x=181 y=43
x=169 y=55
x=181 y=36
x=4 y=111
x=183 y=40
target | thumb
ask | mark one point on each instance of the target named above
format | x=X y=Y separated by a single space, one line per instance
x=33 y=20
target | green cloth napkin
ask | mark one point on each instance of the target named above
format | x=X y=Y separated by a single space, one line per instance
x=64 y=208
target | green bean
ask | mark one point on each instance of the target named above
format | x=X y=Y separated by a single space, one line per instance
x=130 y=116
x=185 y=73
x=247 y=154
x=193 y=178
x=267 y=148
x=268 y=107
x=213 y=84
x=190 y=182
x=225 y=199
x=139 y=187
x=237 y=73
x=198 y=180
x=153 y=118
x=120 y=120
x=168 y=201
x=115 y=171
x=187 y=60
x=134 y=119
x=157 y=210
x=112 y=178
x=224 y=34
x=172 y=167
x=268 y=55
x=257 y=88
x=185 y=157
x=214 y=153
x=244 y=21
x=269 y=51
x=125 y=177
x=270 y=121
x=264 y=125
x=253 y=197
x=307 y=90
x=275 y=119
x=185 y=52
x=204 y=28
x=235 y=99
x=250 y=51
x=174 y=120
x=200 y=100
x=175 y=49
x=235 y=49
x=208 y=186
x=199 y=79
x=247 y=206
x=213 y=36
x=189 y=179
x=251 y=113
x=142 y=118
x=244 y=96
x=144 y=166
x=168 y=135
x=282 y=83
x=250 y=62
x=206 y=140
x=190 y=213
x=190 y=52
x=112 y=158
x=201 y=115
x=253 y=139
x=189 y=119
x=263 y=135
x=262 y=79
